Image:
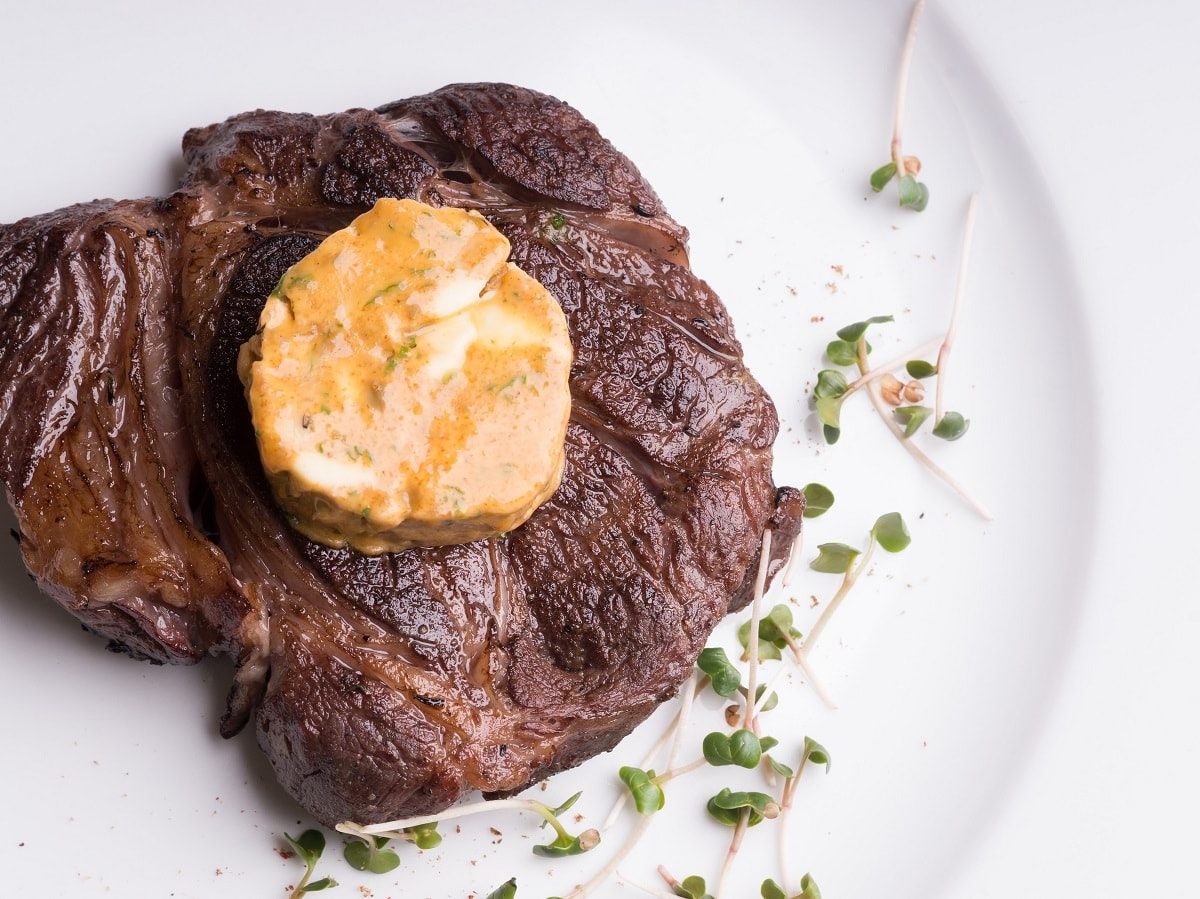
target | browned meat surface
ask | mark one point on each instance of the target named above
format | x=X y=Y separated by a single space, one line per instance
x=390 y=685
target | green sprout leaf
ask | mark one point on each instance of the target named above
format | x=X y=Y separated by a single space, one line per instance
x=853 y=333
x=771 y=702
x=911 y=418
x=647 y=795
x=309 y=845
x=770 y=889
x=842 y=352
x=564 y=844
x=831 y=383
x=745 y=748
x=426 y=836
x=829 y=412
x=780 y=768
x=951 y=427
x=816 y=753
x=891 y=532
x=919 y=368
x=913 y=194
x=818 y=499
x=776 y=626
x=369 y=855
x=808 y=890
x=834 y=558
x=571 y=800
x=716 y=749
x=692 y=888
x=506 y=890
x=831 y=434
x=766 y=649
x=325 y=883
x=726 y=807
x=741 y=748
x=720 y=670
x=882 y=175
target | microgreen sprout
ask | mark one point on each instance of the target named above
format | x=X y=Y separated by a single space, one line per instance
x=853 y=333
x=564 y=842
x=911 y=418
x=951 y=426
x=695 y=686
x=369 y=854
x=889 y=531
x=309 y=846
x=760 y=586
x=740 y=810
x=960 y=289
x=506 y=890
x=688 y=695
x=777 y=634
x=832 y=390
x=817 y=754
x=914 y=195
x=774 y=631
x=741 y=748
x=808 y=889
x=722 y=673
x=818 y=499
x=919 y=368
x=759 y=704
x=648 y=796
x=689 y=888
x=727 y=807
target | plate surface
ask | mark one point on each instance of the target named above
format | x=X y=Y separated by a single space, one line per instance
x=758 y=128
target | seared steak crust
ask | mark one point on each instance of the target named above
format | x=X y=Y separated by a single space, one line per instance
x=386 y=686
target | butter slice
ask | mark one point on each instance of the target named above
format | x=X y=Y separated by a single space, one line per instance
x=408 y=385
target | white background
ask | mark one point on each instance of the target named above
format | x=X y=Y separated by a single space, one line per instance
x=1103 y=798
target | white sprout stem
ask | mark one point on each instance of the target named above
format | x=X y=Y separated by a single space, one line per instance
x=785 y=804
x=913 y=450
x=852 y=574
x=960 y=290
x=891 y=365
x=631 y=841
x=673 y=773
x=797 y=545
x=685 y=711
x=760 y=583
x=604 y=873
x=734 y=845
x=625 y=879
x=623 y=797
x=768 y=690
x=906 y=55
x=785 y=862
x=802 y=662
x=394 y=829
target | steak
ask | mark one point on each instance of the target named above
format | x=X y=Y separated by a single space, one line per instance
x=386 y=686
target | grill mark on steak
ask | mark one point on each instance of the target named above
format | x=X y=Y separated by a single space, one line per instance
x=388 y=686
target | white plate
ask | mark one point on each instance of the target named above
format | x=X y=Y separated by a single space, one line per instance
x=758 y=126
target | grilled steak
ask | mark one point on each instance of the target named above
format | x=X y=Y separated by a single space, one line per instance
x=389 y=685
